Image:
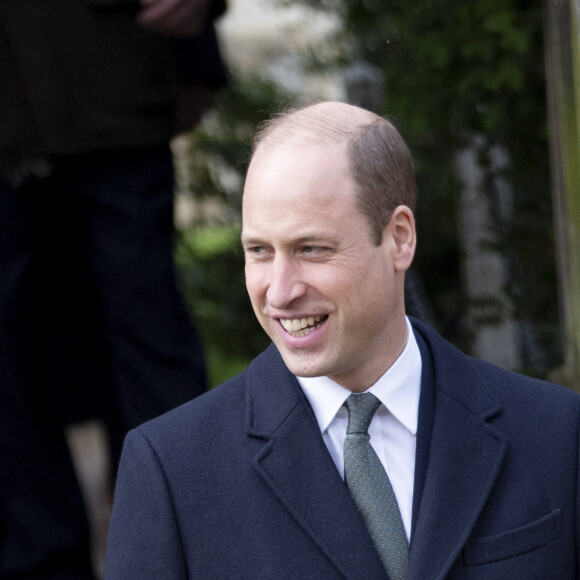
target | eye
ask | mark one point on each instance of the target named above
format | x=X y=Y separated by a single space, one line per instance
x=315 y=250
x=256 y=252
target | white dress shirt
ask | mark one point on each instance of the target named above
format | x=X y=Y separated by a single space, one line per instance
x=393 y=429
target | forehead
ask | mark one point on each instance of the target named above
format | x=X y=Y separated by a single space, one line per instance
x=299 y=192
x=315 y=174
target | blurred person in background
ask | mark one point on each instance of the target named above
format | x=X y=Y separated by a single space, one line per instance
x=92 y=324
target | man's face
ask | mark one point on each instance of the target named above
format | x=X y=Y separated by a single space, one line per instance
x=330 y=300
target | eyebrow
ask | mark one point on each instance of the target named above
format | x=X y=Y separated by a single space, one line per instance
x=250 y=240
x=302 y=239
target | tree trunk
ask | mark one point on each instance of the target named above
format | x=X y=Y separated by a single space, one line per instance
x=493 y=330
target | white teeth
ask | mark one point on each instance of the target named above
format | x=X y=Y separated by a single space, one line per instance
x=300 y=326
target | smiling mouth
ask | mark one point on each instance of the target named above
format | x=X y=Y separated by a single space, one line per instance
x=300 y=327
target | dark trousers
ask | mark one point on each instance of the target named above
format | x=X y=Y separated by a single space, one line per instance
x=92 y=325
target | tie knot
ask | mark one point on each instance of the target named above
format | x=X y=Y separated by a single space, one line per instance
x=361 y=409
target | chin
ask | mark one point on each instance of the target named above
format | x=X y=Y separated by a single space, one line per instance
x=296 y=367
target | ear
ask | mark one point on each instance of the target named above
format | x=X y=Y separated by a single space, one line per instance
x=401 y=230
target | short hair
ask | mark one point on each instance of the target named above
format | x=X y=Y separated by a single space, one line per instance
x=379 y=160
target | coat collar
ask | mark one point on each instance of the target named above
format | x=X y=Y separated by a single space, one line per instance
x=296 y=466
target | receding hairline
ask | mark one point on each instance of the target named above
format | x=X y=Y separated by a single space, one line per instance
x=376 y=155
x=318 y=124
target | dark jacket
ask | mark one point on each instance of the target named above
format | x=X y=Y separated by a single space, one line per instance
x=79 y=75
x=239 y=484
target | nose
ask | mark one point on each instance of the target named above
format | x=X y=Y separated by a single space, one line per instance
x=285 y=284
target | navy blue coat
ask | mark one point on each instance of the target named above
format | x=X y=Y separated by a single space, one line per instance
x=239 y=484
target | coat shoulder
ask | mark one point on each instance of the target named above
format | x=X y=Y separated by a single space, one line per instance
x=223 y=405
x=221 y=413
x=477 y=383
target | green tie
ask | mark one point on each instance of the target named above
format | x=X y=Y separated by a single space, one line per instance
x=371 y=489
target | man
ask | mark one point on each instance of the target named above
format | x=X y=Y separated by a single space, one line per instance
x=269 y=475
x=92 y=324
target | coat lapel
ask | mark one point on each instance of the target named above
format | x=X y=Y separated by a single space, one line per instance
x=465 y=457
x=296 y=466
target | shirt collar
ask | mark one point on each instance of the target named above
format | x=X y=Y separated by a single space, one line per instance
x=398 y=389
